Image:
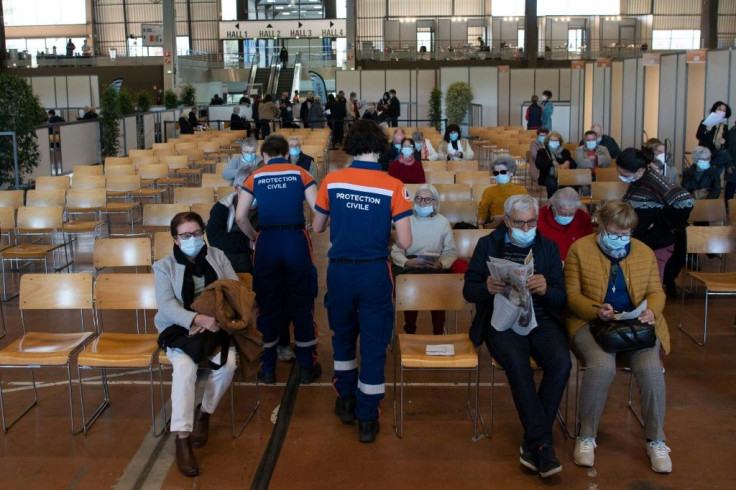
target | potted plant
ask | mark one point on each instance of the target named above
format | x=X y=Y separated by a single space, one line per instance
x=170 y=99
x=435 y=108
x=110 y=123
x=125 y=102
x=143 y=100
x=189 y=95
x=20 y=112
x=457 y=100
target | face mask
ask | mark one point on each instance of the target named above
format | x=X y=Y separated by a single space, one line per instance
x=544 y=98
x=563 y=220
x=553 y=145
x=249 y=157
x=407 y=152
x=192 y=246
x=454 y=136
x=598 y=140
x=662 y=157
x=503 y=179
x=385 y=97
x=294 y=152
x=703 y=164
x=288 y=109
x=613 y=244
x=541 y=138
x=418 y=146
x=591 y=145
x=627 y=180
x=523 y=238
x=397 y=146
x=721 y=114
x=423 y=211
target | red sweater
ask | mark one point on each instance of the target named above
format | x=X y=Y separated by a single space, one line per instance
x=563 y=236
x=408 y=174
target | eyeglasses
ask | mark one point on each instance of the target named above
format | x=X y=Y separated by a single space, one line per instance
x=187 y=236
x=496 y=173
x=519 y=223
x=614 y=236
x=424 y=200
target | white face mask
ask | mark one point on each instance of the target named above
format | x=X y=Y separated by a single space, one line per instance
x=662 y=157
x=191 y=246
x=721 y=114
x=544 y=98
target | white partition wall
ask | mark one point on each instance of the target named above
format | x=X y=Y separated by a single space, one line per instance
x=149 y=130
x=672 y=104
x=696 y=106
x=632 y=103
x=44 y=161
x=67 y=91
x=577 y=107
x=651 y=101
x=717 y=77
x=80 y=144
x=128 y=139
x=484 y=82
x=601 y=99
x=617 y=94
x=521 y=89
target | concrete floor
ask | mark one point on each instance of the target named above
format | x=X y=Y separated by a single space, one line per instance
x=321 y=453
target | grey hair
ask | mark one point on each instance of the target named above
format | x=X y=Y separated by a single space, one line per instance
x=701 y=153
x=295 y=138
x=521 y=203
x=417 y=136
x=435 y=194
x=243 y=173
x=236 y=110
x=250 y=142
x=508 y=161
x=598 y=126
x=567 y=197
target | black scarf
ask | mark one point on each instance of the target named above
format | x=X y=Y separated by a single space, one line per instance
x=200 y=267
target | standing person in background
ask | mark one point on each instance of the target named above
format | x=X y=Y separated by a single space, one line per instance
x=54 y=118
x=339 y=115
x=316 y=114
x=534 y=114
x=370 y=112
x=361 y=202
x=730 y=174
x=255 y=107
x=267 y=111
x=713 y=134
x=70 y=47
x=304 y=110
x=394 y=108
x=284 y=57
x=547 y=109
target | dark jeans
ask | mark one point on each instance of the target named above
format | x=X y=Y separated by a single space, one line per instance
x=729 y=192
x=677 y=261
x=548 y=346
x=551 y=184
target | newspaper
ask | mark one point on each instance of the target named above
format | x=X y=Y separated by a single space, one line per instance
x=712 y=119
x=513 y=308
x=630 y=315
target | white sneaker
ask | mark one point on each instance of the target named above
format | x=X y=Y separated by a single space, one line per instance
x=659 y=456
x=584 y=454
x=285 y=354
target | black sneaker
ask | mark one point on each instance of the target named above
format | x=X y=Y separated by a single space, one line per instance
x=548 y=463
x=529 y=459
x=345 y=409
x=367 y=430
x=307 y=375
x=266 y=378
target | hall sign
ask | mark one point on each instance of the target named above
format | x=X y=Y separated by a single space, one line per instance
x=251 y=29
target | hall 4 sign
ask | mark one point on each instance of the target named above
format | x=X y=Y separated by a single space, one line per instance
x=244 y=29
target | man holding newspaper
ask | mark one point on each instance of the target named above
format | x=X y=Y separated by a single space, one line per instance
x=515 y=278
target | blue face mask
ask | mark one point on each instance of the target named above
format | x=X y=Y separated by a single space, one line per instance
x=599 y=139
x=454 y=136
x=523 y=238
x=591 y=145
x=614 y=243
x=626 y=179
x=553 y=145
x=407 y=151
x=541 y=138
x=423 y=211
x=703 y=164
x=249 y=157
x=294 y=152
x=191 y=246
x=418 y=146
x=503 y=179
x=397 y=146
x=563 y=220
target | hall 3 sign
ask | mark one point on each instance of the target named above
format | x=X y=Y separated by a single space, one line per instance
x=245 y=29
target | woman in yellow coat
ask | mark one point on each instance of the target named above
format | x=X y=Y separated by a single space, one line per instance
x=605 y=273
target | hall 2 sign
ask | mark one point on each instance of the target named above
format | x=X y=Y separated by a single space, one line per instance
x=245 y=29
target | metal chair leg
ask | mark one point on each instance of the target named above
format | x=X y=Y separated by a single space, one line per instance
x=705 y=320
x=87 y=424
x=6 y=426
x=239 y=432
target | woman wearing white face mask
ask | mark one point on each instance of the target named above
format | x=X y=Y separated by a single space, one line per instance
x=701 y=179
x=713 y=134
x=604 y=273
x=453 y=146
x=552 y=157
x=432 y=249
x=407 y=168
x=563 y=220
x=660 y=161
x=188 y=336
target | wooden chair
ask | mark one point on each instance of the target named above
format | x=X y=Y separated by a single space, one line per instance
x=225 y=190
x=453 y=192
x=607 y=174
x=42 y=198
x=577 y=178
x=145 y=160
x=38 y=222
x=202 y=209
x=7 y=226
x=478 y=190
x=136 y=153
x=214 y=181
x=163 y=146
x=194 y=195
x=434 y=166
x=460 y=211
x=712 y=211
x=427 y=292
x=118 y=350
x=87 y=170
x=125 y=187
x=463 y=166
x=466 y=240
x=157 y=217
x=440 y=177
x=179 y=168
x=710 y=240
x=732 y=212
x=153 y=181
x=86 y=181
x=85 y=201
x=163 y=244
x=46 y=183
x=122 y=252
x=473 y=177
x=35 y=349
x=117 y=170
x=116 y=161
x=11 y=199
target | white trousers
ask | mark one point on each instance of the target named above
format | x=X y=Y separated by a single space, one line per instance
x=184 y=379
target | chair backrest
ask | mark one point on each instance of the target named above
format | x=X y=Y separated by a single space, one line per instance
x=7 y=219
x=457 y=211
x=86 y=198
x=160 y=215
x=148 y=160
x=434 y=166
x=122 y=252
x=453 y=192
x=224 y=190
x=732 y=211
x=440 y=177
x=182 y=147
x=175 y=161
x=478 y=190
x=40 y=218
x=711 y=239
x=574 y=177
x=214 y=181
x=125 y=292
x=421 y=292
x=194 y=195
x=87 y=170
x=115 y=170
x=153 y=171
x=163 y=146
x=463 y=166
x=135 y=153
x=607 y=174
x=84 y=181
x=39 y=198
x=466 y=240
x=46 y=182
x=711 y=210
x=123 y=183
x=473 y=177
x=115 y=161
x=163 y=244
x=202 y=209
x=607 y=191
x=11 y=199
x=56 y=291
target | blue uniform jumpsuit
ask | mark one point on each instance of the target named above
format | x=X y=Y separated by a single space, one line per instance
x=284 y=275
x=361 y=201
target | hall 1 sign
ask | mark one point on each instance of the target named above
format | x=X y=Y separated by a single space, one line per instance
x=245 y=29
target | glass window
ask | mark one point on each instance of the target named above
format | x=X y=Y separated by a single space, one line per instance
x=505 y=8
x=675 y=39
x=44 y=12
x=575 y=39
x=520 y=38
x=229 y=9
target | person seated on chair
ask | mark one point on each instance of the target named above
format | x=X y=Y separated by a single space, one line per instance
x=193 y=121
x=424 y=147
x=184 y=126
x=605 y=273
x=563 y=220
x=432 y=250
x=407 y=167
x=238 y=122
x=394 y=149
x=453 y=146
x=189 y=337
x=538 y=332
x=536 y=145
x=287 y=116
x=247 y=158
x=490 y=208
x=224 y=233
x=297 y=157
x=701 y=179
x=592 y=155
x=549 y=159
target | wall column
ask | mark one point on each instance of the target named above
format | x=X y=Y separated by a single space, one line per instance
x=709 y=24
x=169 y=44
x=531 y=33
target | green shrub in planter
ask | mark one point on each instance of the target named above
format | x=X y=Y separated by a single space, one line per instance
x=170 y=99
x=125 y=102
x=143 y=100
x=435 y=108
x=189 y=95
x=110 y=123
x=457 y=100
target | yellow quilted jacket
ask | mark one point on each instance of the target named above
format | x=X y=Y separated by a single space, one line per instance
x=587 y=273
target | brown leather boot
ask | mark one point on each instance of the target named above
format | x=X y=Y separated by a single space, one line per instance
x=201 y=427
x=185 y=457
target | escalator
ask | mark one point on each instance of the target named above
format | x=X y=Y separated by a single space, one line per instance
x=285 y=81
x=261 y=79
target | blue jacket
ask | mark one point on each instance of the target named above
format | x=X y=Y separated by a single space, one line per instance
x=546 y=262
